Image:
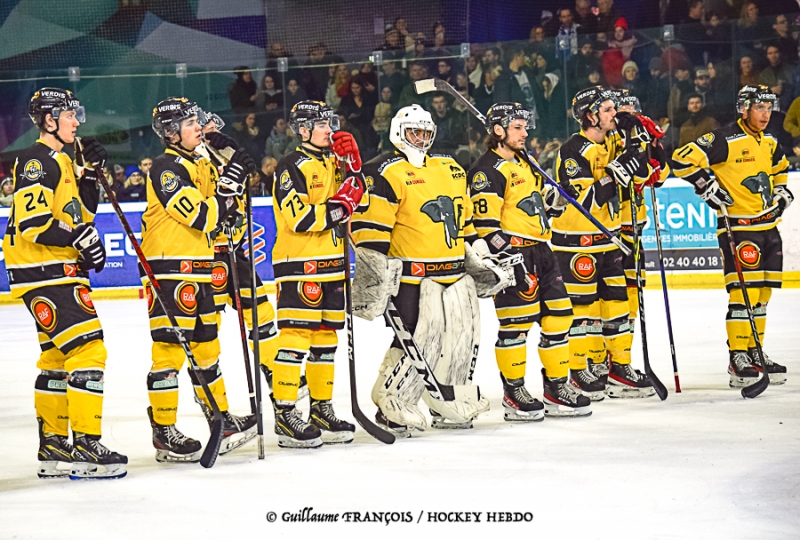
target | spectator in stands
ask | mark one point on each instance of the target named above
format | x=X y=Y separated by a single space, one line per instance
x=792 y=122
x=783 y=39
x=407 y=39
x=699 y=122
x=262 y=182
x=463 y=83
x=242 y=92
x=702 y=83
x=359 y=109
x=691 y=32
x=294 y=94
x=538 y=43
x=749 y=30
x=491 y=58
x=656 y=93
x=549 y=23
x=474 y=70
x=269 y=103
x=421 y=52
x=622 y=39
x=450 y=127
x=136 y=188
x=794 y=157
x=417 y=71
x=117 y=187
x=630 y=78
x=144 y=165
x=276 y=52
x=747 y=72
x=721 y=95
x=584 y=18
x=384 y=111
x=548 y=154
x=6 y=190
x=394 y=79
x=346 y=126
x=718 y=37
x=338 y=85
x=444 y=71
x=393 y=46
x=777 y=75
x=552 y=120
x=523 y=76
x=251 y=138
x=484 y=94
x=581 y=65
x=279 y=143
x=315 y=74
x=567 y=37
x=369 y=79
x=439 y=43
x=607 y=16
x=676 y=106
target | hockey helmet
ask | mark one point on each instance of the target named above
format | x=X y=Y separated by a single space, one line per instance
x=501 y=114
x=423 y=130
x=588 y=101
x=54 y=101
x=168 y=115
x=751 y=94
x=306 y=113
x=624 y=98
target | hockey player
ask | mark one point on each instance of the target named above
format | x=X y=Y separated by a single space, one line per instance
x=750 y=177
x=186 y=201
x=50 y=245
x=311 y=200
x=510 y=215
x=419 y=218
x=592 y=165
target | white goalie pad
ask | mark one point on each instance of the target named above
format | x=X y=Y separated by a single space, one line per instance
x=391 y=390
x=490 y=277
x=376 y=280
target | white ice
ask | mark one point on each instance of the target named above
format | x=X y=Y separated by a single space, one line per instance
x=703 y=464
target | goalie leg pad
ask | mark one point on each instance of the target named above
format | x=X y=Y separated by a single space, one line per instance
x=377 y=278
x=392 y=391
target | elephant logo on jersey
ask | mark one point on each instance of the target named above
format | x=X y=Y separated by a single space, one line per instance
x=45 y=312
x=73 y=210
x=33 y=170
x=759 y=184
x=443 y=210
x=533 y=205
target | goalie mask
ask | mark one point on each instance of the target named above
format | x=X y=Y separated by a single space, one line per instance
x=412 y=132
x=54 y=101
x=168 y=115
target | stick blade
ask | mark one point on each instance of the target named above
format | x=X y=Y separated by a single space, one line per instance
x=424 y=86
x=374 y=431
x=211 y=450
x=658 y=386
x=755 y=389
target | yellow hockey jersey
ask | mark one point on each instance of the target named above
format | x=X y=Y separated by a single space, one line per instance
x=507 y=195
x=420 y=216
x=747 y=167
x=48 y=202
x=309 y=245
x=182 y=212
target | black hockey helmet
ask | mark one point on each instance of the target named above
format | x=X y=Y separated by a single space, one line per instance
x=53 y=101
x=750 y=94
x=307 y=112
x=501 y=114
x=168 y=115
x=589 y=100
x=624 y=97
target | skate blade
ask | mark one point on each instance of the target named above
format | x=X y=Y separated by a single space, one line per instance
x=443 y=423
x=285 y=441
x=232 y=442
x=777 y=379
x=626 y=392
x=89 y=471
x=337 y=437
x=49 y=469
x=511 y=414
x=553 y=410
x=165 y=456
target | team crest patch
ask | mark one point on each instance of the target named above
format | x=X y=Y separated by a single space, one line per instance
x=583 y=267
x=533 y=290
x=219 y=276
x=749 y=255
x=572 y=167
x=84 y=299
x=186 y=297
x=370 y=183
x=169 y=181
x=479 y=181
x=285 y=181
x=45 y=312
x=310 y=293
x=706 y=139
x=33 y=170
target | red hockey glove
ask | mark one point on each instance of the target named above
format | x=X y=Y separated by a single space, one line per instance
x=651 y=127
x=349 y=195
x=344 y=146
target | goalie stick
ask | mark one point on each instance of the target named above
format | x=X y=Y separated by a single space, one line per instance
x=432 y=85
x=760 y=385
x=211 y=450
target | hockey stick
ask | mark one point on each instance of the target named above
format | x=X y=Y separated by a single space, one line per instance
x=664 y=288
x=433 y=85
x=254 y=322
x=659 y=387
x=211 y=450
x=760 y=385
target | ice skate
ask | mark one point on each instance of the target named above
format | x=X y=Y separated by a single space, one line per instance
x=588 y=384
x=626 y=382
x=292 y=430
x=302 y=390
x=236 y=430
x=518 y=405
x=600 y=370
x=777 y=372
x=171 y=445
x=55 y=454
x=92 y=460
x=562 y=400
x=741 y=370
x=399 y=430
x=440 y=422
x=334 y=430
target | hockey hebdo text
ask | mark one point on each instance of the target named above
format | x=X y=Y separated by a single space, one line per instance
x=310 y=515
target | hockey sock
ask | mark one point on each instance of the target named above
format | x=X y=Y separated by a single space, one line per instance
x=319 y=368
x=85 y=400
x=737 y=323
x=585 y=334
x=293 y=347
x=760 y=315
x=267 y=333
x=554 y=346
x=511 y=351
x=162 y=389
x=616 y=329
x=213 y=378
x=50 y=400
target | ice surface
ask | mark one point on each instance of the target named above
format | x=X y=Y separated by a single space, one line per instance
x=704 y=464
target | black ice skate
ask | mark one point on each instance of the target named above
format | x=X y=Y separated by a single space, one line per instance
x=600 y=370
x=92 y=460
x=562 y=400
x=334 y=430
x=626 y=382
x=292 y=430
x=518 y=405
x=398 y=430
x=171 y=445
x=302 y=390
x=588 y=384
x=777 y=372
x=741 y=370
x=55 y=454
x=236 y=430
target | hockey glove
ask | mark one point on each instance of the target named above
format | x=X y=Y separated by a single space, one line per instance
x=627 y=122
x=91 y=153
x=344 y=146
x=554 y=202
x=499 y=246
x=782 y=197
x=220 y=141
x=651 y=127
x=654 y=179
x=349 y=195
x=713 y=194
x=231 y=181
x=91 y=251
x=625 y=167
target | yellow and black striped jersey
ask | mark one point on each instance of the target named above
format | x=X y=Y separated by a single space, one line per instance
x=747 y=167
x=309 y=245
x=182 y=212
x=421 y=216
x=507 y=196
x=48 y=202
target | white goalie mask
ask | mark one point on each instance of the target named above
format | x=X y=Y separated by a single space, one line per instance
x=412 y=132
